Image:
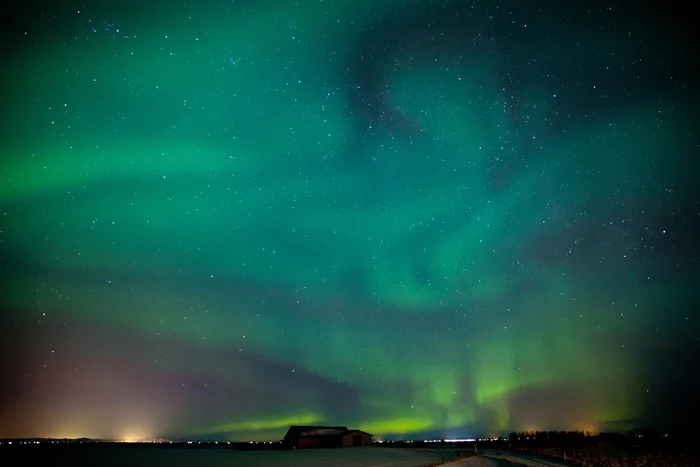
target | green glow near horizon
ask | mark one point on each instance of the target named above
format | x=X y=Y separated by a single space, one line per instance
x=258 y=425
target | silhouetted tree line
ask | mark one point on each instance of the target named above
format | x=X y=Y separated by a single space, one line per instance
x=646 y=435
x=551 y=435
x=636 y=440
x=600 y=449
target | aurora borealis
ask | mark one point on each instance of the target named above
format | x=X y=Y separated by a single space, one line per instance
x=222 y=218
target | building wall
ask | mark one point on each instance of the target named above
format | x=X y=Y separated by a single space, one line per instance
x=349 y=440
x=307 y=442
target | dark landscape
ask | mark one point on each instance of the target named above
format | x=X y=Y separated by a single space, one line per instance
x=638 y=449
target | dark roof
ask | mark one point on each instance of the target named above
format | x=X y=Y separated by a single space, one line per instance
x=296 y=430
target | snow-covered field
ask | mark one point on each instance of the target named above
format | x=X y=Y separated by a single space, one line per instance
x=593 y=456
x=176 y=457
x=370 y=457
x=495 y=459
x=136 y=456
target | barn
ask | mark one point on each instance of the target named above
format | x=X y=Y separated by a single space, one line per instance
x=300 y=437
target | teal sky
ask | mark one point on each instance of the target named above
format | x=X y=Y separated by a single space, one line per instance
x=218 y=219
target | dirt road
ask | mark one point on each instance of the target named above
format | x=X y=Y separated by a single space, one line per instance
x=506 y=459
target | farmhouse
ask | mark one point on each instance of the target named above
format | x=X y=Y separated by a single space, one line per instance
x=325 y=437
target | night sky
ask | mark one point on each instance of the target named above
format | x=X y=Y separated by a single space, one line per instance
x=416 y=218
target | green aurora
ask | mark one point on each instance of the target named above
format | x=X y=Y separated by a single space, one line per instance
x=192 y=244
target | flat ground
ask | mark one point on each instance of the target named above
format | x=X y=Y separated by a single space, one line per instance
x=108 y=456
x=136 y=456
x=510 y=459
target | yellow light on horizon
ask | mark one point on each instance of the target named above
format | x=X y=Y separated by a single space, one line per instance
x=134 y=436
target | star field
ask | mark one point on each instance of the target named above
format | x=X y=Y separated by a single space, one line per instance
x=411 y=217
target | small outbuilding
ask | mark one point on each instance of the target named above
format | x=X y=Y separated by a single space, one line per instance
x=300 y=437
